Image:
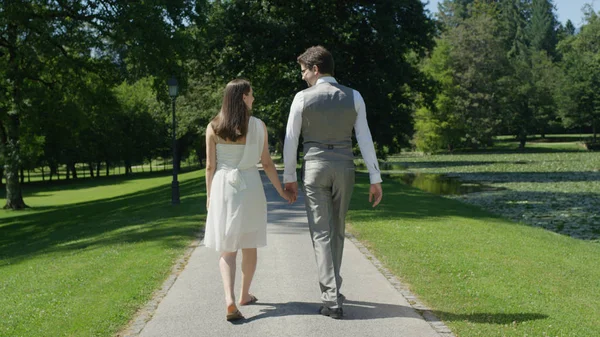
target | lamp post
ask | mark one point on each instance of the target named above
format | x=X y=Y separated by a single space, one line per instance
x=173 y=91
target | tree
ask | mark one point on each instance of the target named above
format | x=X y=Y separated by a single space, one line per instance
x=579 y=96
x=437 y=125
x=470 y=65
x=142 y=129
x=543 y=26
x=42 y=39
x=197 y=107
x=479 y=63
x=370 y=42
x=451 y=13
x=567 y=30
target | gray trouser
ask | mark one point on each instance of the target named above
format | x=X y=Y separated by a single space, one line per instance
x=328 y=188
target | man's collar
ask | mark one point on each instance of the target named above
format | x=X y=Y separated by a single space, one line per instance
x=324 y=79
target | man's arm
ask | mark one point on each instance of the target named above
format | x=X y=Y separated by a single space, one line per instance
x=290 y=147
x=367 y=149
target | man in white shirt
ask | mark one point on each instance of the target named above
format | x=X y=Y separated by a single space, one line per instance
x=325 y=114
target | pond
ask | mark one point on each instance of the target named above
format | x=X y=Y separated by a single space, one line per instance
x=440 y=184
x=433 y=183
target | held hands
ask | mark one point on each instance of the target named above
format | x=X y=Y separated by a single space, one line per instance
x=288 y=196
x=292 y=188
x=375 y=194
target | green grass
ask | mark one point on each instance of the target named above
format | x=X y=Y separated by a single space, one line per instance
x=88 y=254
x=482 y=274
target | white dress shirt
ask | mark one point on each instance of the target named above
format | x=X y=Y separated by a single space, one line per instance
x=361 y=129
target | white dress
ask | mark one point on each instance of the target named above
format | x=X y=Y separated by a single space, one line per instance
x=237 y=213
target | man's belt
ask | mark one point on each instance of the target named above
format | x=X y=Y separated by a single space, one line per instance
x=328 y=146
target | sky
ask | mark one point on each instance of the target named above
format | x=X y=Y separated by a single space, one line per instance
x=565 y=9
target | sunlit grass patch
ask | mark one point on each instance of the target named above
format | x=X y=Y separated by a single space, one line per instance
x=88 y=254
x=482 y=274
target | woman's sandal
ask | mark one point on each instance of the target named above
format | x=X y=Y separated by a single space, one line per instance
x=234 y=315
x=252 y=300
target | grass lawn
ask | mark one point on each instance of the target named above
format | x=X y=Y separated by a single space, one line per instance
x=482 y=274
x=89 y=253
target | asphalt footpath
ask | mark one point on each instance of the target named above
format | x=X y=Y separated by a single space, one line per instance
x=287 y=289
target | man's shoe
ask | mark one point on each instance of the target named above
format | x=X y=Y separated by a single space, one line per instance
x=333 y=313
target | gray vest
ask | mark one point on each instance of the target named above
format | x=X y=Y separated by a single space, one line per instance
x=328 y=119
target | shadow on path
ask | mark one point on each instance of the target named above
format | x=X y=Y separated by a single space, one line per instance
x=360 y=310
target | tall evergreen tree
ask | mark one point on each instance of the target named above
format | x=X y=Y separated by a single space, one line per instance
x=452 y=12
x=543 y=26
x=569 y=28
x=513 y=21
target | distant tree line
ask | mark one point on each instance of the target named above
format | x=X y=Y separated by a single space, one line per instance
x=508 y=67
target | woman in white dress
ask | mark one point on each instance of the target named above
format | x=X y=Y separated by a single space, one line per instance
x=236 y=203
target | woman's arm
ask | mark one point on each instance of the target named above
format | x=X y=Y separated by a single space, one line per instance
x=269 y=168
x=211 y=160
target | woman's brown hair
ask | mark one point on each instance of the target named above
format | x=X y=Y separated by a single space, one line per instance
x=232 y=121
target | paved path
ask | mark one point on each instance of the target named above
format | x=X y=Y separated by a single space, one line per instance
x=286 y=286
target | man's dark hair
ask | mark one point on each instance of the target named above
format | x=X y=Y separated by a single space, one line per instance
x=320 y=57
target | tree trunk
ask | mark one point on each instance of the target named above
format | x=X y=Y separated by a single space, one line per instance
x=199 y=154
x=22 y=174
x=10 y=138
x=74 y=170
x=107 y=169
x=14 y=197
x=53 y=171
x=43 y=174
x=128 y=169
x=91 y=168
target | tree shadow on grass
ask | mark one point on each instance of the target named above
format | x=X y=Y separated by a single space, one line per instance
x=489 y=318
x=142 y=216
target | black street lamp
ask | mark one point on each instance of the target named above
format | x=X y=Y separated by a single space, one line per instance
x=173 y=91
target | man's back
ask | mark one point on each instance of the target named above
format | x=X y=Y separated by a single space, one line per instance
x=329 y=114
x=328 y=117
